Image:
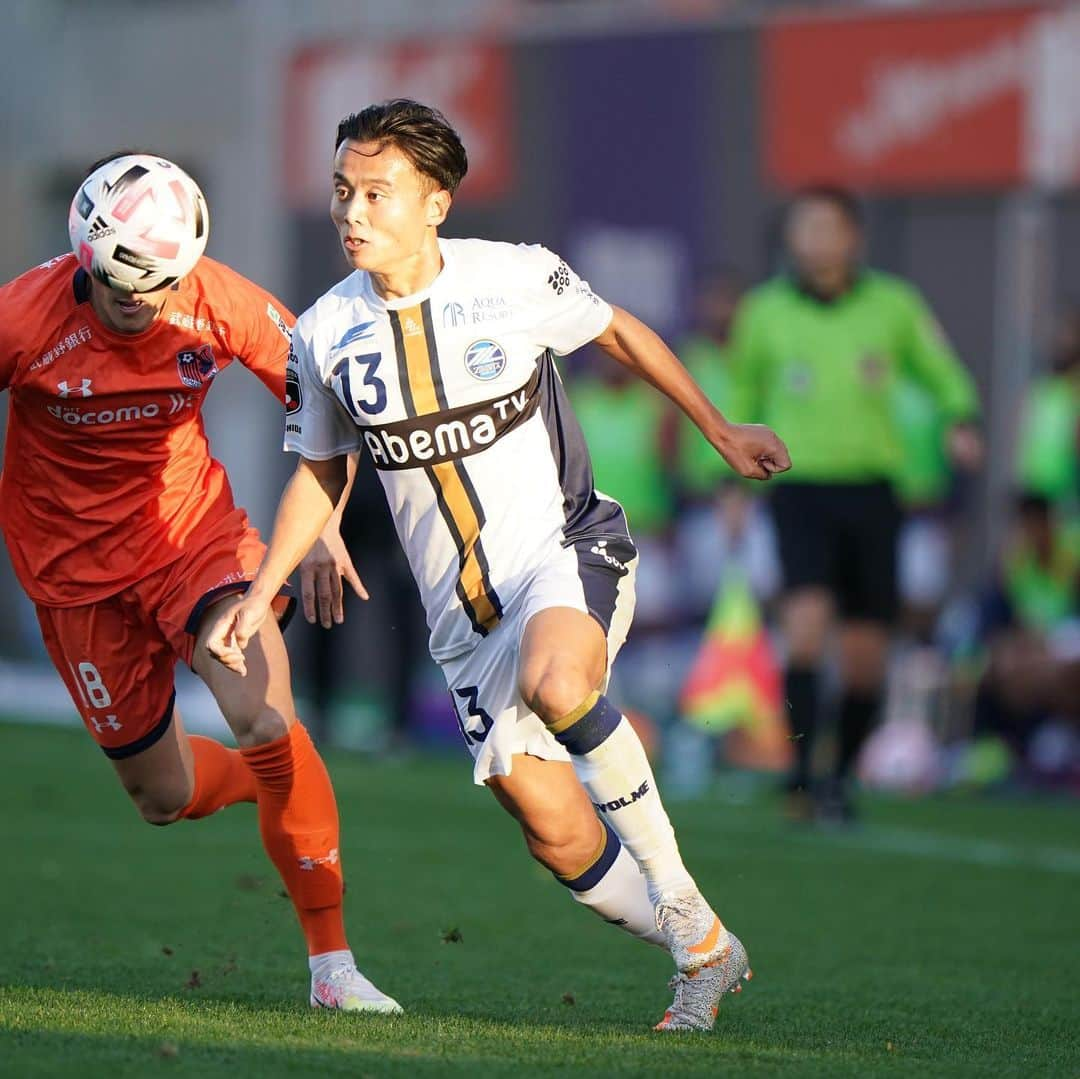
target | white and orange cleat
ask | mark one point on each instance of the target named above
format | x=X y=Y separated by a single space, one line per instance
x=697 y=995
x=693 y=933
x=345 y=989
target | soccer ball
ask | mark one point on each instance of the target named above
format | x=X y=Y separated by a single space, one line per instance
x=138 y=223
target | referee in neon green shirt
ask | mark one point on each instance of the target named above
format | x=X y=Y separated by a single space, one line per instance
x=816 y=354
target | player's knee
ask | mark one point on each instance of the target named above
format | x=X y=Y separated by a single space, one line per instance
x=554 y=689
x=160 y=807
x=260 y=727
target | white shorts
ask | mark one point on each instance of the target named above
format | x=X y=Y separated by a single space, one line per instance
x=595 y=576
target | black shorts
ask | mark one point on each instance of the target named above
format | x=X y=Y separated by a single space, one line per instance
x=842 y=537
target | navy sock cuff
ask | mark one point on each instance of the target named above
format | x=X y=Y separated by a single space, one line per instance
x=598 y=870
x=592 y=729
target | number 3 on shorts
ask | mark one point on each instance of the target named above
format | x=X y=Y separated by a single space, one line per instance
x=474 y=712
x=96 y=693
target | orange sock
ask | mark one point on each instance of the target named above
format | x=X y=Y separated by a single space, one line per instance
x=221 y=778
x=298 y=819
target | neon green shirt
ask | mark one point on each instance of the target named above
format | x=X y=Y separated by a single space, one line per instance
x=700 y=469
x=622 y=430
x=824 y=375
x=1047 y=447
x=1044 y=596
x=922 y=478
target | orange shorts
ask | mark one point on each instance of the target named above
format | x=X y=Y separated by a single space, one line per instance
x=117 y=656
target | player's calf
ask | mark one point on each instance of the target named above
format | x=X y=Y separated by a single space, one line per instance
x=611 y=763
x=560 y=826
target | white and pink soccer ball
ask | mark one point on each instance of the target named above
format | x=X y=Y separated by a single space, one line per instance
x=138 y=223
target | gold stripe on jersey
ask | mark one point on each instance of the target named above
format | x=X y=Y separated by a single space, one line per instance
x=418 y=360
x=455 y=495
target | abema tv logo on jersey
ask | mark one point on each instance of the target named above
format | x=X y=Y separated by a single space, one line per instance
x=485 y=360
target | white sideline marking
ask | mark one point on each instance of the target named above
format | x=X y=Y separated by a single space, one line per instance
x=807 y=843
x=984 y=852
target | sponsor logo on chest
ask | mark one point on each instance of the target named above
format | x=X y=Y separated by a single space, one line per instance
x=457 y=432
x=476 y=311
x=67 y=344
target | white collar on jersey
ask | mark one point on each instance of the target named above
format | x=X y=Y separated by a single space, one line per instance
x=375 y=301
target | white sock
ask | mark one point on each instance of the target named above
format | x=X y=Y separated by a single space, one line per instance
x=622 y=898
x=325 y=962
x=610 y=761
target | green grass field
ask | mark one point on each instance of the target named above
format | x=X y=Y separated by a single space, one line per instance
x=939 y=939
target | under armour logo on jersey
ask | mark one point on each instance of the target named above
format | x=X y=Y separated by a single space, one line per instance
x=109 y=721
x=82 y=390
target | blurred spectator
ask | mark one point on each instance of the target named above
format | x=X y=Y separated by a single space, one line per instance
x=816 y=354
x=1048 y=451
x=1031 y=633
x=625 y=425
x=922 y=481
x=718 y=528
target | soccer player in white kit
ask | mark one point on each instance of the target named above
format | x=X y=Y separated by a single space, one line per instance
x=438 y=358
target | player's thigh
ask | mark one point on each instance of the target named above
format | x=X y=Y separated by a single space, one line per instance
x=160 y=780
x=563 y=659
x=257 y=706
x=555 y=813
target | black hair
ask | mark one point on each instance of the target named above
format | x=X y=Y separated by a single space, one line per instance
x=420 y=132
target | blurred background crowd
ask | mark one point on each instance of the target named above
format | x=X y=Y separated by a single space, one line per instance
x=858 y=222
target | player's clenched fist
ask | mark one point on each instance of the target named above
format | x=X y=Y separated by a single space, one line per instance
x=754 y=451
x=232 y=630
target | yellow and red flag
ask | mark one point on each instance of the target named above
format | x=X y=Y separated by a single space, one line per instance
x=735 y=687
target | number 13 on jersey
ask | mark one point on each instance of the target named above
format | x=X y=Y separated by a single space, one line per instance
x=359 y=371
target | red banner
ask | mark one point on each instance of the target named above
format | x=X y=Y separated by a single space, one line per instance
x=468 y=81
x=976 y=98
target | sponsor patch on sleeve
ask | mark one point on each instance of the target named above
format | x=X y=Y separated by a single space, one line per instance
x=275 y=316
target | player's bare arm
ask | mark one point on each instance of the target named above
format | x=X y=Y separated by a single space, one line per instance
x=307 y=504
x=325 y=568
x=327 y=564
x=751 y=449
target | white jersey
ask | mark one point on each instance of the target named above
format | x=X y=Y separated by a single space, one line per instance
x=455 y=396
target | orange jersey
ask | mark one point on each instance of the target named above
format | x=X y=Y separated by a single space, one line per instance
x=107 y=471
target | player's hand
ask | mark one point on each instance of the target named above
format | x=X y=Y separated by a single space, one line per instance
x=965 y=446
x=233 y=628
x=753 y=450
x=322 y=571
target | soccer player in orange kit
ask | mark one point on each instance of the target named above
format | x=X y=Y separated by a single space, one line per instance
x=123 y=531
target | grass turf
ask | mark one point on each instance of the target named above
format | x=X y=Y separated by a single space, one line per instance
x=939 y=939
